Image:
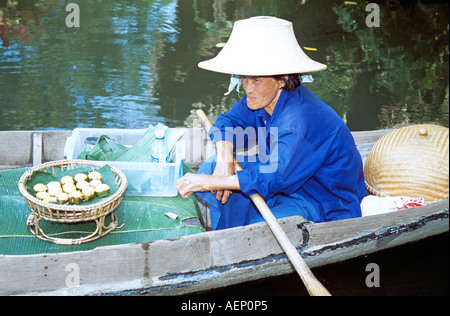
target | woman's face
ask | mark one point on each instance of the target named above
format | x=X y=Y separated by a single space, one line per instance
x=262 y=92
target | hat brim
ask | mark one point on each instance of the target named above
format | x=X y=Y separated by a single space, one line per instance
x=248 y=69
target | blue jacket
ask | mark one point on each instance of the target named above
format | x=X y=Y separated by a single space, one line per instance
x=308 y=151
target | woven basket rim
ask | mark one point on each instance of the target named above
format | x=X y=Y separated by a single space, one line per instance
x=374 y=191
x=72 y=208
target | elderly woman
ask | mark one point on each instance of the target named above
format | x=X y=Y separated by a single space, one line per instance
x=307 y=163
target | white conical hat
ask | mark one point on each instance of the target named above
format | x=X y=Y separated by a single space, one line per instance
x=262 y=46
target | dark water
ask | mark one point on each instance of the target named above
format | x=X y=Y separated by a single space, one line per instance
x=134 y=63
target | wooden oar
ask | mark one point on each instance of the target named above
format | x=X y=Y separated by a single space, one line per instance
x=313 y=285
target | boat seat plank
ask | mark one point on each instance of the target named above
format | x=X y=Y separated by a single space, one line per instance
x=37 y=149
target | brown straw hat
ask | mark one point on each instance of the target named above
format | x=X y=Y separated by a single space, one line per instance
x=410 y=161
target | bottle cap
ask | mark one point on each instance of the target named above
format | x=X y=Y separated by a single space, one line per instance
x=159 y=133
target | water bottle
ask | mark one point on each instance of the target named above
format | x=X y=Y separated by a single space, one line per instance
x=159 y=148
x=160 y=155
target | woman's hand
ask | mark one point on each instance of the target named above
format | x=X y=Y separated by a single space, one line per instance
x=193 y=183
x=223 y=169
x=204 y=182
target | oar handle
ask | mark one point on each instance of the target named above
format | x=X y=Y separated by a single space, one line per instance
x=205 y=120
x=207 y=125
x=313 y=285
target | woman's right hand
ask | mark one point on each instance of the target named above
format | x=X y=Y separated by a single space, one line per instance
x=223 y=169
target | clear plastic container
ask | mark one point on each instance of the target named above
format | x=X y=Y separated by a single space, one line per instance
x=140 y=175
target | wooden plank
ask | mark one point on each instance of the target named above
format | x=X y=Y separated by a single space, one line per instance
x=16 y=148
x=25 y=148
x=188 y=142
x=342 y=240
x=37 y=149
x=367 y=137
x=54 y=142
x=331 y=232
x=160 y=264
x=215 y=259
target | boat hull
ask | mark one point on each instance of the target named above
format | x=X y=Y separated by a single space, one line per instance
x=212 y=260
x=205 y=261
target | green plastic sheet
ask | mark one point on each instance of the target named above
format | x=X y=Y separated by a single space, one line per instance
x=141 y=219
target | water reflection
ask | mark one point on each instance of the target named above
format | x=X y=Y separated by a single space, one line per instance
x=134 y=63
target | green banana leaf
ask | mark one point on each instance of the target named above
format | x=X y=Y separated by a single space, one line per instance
x=107 y=149
x=141 y=219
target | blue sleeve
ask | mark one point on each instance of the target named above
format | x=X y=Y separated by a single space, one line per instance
x=287 y=168
x=236 y=126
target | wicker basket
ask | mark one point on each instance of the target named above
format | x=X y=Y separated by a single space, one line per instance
x=410 y=161
x=72 y=213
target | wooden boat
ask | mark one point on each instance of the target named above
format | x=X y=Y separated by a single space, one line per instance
x=204 y=261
